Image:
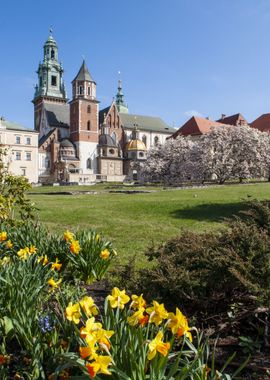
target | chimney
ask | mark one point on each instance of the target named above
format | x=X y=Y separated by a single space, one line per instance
x=223 y=116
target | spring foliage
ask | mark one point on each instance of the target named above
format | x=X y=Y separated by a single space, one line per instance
x=225 y=153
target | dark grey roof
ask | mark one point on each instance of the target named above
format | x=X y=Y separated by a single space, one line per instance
x=147 y=123
x=66 y=143
x=44 y=137
x=84 y=74
x=57 y=115
x=106 y=140
x=102 y=113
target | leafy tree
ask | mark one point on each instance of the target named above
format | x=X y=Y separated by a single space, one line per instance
x=14 y=204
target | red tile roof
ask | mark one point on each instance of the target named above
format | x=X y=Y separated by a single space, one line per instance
x=236 y=119
x=196 y=126
x=262 y=123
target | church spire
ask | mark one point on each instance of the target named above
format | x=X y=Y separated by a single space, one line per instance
x=50 y=73
x=119 y=99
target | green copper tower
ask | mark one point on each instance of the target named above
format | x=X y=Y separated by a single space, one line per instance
x=50 y=74
x=119 y=99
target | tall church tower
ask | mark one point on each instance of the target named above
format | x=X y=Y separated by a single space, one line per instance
x=50 y=87
x=84 y=124
x=119 y=99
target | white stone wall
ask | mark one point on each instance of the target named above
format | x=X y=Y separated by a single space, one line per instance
x=85 y=151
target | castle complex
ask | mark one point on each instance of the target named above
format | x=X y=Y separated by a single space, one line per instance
x=77 y=141
x=73 y=141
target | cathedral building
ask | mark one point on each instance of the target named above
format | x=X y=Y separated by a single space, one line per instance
x=80 y=143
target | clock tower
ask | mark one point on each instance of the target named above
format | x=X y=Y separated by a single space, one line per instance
x=50 y=87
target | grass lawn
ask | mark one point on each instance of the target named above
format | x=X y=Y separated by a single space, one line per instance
x=133 y=221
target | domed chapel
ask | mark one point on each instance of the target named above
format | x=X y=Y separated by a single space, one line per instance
x=80 y=143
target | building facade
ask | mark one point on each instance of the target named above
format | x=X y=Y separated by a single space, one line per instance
x=21 y=147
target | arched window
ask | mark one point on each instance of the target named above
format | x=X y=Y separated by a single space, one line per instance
x=111 y=151
x=52 y=54
x=89 y=109
x=88 y=125
x=156 y=140
x=88 y=90
x=89 y=163
x=144 y=140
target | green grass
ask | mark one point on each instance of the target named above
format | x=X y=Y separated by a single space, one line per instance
x=133 y=221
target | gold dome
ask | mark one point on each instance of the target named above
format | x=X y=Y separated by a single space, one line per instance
x=135 y=145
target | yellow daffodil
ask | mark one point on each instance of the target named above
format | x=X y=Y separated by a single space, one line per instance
x=75 y=247
x=118 y=298
x=102 y=337
x=105 y=254
x=23 y=253
x=90 y=327
x=157 y=345
x=56 y=265
x=97 y=237
x=100 y=365
x=88 y=305
x=179 y=325
x=73 y=312
x=137 y=302
x=5 y=260
x=9 y=244
x=3 y=236
x=88 y=352
x=157 y=313
x=43 y=259
x=53 y=283
x=138 y=318
x=68 y=236
x=32 y=249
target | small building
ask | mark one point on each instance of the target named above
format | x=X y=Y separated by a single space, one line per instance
x=21 y=145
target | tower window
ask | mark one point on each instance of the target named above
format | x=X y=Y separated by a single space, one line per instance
x=89 y=163
x=53 y=80
x=52 y=54
x=89 y=109
x=81 y=90
x=88 y=125
x=88 y=91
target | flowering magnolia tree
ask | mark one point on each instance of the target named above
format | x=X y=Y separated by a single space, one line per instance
x=172 y=162
x=235 y=153
x=224 y=153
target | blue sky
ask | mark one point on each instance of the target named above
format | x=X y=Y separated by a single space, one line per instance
x=176 y=57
